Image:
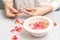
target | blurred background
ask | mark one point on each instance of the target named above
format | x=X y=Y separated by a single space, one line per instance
x=2 y=6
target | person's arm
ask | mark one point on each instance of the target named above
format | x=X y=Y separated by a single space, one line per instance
x=50 y=7
x=39 y=11
x=45 y=10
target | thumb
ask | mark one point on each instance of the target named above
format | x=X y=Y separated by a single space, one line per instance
x=12 y=9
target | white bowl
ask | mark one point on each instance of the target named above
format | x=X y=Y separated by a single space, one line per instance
x=38 y=33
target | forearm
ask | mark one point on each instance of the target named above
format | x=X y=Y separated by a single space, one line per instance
x=45 y=10
x=52 y=7
x=6 y=2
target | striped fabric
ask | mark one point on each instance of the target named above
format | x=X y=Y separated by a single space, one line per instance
x=30 y=3
x=35 y=3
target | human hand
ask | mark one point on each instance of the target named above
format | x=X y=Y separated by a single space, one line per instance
x=37 y=11
x=33 y=11
x=10 y=11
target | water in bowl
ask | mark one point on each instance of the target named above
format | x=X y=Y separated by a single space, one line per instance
x=38 y=24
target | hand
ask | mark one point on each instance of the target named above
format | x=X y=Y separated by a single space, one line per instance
x=37 y=11
x=33 y=11
x=10 y=11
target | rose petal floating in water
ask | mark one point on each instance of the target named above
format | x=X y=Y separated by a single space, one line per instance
x=39 y=25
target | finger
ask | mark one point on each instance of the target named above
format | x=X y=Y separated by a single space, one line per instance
x=28 y=10
x=12 y=9
x=29 y=13
x=9 y=14
x=19 y=12
x=31 y=8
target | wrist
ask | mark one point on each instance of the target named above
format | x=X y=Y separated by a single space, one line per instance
x=46 y=10
x=8 y=2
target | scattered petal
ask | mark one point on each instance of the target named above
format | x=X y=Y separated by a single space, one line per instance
x=12 y=30
x=14 y=37
x=19 y=29
x=16 y=27
x=17 y=21
x=55 y=23
x=21 y=22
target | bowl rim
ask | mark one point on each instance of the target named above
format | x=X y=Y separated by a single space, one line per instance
x=39 y=31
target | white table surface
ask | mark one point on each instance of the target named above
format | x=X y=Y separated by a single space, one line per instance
x=7 y=24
